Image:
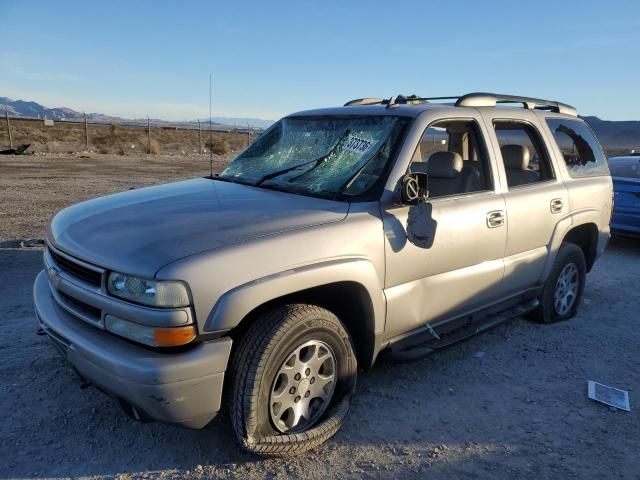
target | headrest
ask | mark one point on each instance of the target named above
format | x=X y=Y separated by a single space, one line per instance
x=515 y=156
x=418 y=167
x=444 y=164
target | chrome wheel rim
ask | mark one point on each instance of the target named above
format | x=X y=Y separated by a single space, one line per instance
x=566 y=289
x=303 y=386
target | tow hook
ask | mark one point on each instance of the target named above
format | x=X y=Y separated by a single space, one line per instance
x=40 y=332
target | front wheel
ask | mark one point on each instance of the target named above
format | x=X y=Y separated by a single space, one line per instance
x=562 y=292
x=293 y=374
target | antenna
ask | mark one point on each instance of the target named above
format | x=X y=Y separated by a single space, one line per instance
x=210 y=132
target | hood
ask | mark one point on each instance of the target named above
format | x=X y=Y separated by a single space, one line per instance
x=140 y=231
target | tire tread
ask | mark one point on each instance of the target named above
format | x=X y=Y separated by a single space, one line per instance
x=248 y=365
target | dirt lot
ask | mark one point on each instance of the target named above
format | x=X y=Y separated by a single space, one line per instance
x=33 y=188
x=507 y=404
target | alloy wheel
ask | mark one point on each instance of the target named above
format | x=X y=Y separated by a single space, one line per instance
x=566 y=290
x=303 y=387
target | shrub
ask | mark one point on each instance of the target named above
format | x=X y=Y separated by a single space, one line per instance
x=218 y=146
x=154 y=147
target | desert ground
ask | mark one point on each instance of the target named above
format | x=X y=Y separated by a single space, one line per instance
x=511 y=403
x=121 y=139
x=33 y=188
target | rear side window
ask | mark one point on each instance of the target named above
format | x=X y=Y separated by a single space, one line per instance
x=523 y=153
x=581 y=151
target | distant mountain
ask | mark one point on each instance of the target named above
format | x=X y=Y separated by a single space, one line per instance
x=27 y=109
x=616 y=134
x=22 y=108
x=239 y=122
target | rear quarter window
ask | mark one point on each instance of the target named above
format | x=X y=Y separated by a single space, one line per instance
x=582 y=153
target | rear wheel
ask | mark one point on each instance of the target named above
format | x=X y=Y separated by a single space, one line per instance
x=562 y=292
x=293 y=374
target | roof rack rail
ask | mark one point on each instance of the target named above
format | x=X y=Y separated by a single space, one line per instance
x=365 y=101
x=476 y=99
x=482 y=99
x=396 y=100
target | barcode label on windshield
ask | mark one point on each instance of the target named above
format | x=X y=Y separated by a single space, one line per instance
x=358 y=145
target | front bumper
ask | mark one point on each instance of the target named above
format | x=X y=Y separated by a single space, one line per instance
x=183 y=388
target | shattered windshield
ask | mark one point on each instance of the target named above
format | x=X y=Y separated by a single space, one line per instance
x=326 y=156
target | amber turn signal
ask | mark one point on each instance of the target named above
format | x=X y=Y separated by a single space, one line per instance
x=153 y=336
x=173 y=337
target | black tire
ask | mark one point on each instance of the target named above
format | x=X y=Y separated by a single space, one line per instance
x=547 y=312
x=259 y=355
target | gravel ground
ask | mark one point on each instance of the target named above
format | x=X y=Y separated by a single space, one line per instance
x=33 y=188
x=510 y=403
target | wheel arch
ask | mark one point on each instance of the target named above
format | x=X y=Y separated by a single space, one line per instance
x=349 y=289
x=585 y=236
x=580 y=229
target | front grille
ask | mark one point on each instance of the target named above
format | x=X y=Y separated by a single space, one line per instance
x=82 y=307
x=77 y=270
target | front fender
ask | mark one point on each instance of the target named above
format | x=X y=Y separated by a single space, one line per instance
x=235 y=304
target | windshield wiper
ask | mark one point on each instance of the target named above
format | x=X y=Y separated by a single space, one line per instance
x=317 y=162
x=230 y=179
x=353 y=178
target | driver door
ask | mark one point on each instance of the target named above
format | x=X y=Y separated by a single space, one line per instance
x=463 y=265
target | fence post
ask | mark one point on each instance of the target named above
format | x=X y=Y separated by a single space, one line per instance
x=6 y=112
x=199 y=137
x=149 y=135
x=86 y=132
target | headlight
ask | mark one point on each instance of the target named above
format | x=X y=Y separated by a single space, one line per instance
x=154 y=336
x=162 y=293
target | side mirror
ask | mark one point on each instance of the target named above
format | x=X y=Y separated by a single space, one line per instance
x=414 y=188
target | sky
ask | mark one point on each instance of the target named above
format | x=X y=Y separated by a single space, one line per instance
x=270 y=58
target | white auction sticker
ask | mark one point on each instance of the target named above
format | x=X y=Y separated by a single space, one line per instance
x=358 y=145
x=613 y=397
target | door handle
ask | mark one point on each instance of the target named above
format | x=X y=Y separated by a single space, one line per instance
x=556 y=205
x=495 y=218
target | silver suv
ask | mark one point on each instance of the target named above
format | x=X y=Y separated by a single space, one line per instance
x=393 y=227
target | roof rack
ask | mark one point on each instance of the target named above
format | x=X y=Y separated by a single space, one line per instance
x=397 y=100
x=481 y=99
x=365 y=101
x=476 y=99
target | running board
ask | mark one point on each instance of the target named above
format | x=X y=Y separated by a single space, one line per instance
x=406 y=350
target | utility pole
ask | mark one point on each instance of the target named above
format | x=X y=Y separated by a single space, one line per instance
x=149 y=134
x=6 y=112
x=199 y=137
x=248 y=134
x=210 y=129
x=86 y=132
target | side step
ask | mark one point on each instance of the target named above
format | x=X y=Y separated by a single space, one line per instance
x=405 y=350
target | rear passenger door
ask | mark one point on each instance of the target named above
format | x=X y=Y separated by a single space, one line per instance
x=535 y=196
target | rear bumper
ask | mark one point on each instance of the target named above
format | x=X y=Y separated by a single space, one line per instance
x=183 y=388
